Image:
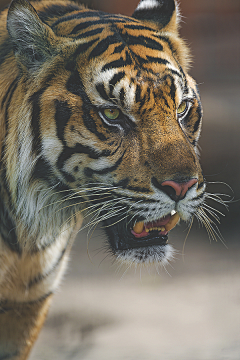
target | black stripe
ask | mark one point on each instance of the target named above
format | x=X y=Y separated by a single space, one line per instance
x=117 y=63
x=200 y=186
x=138 y=93
x=43 y=171
x=80 y=149
x=142 y=40
x=8 y=91
x=102 y=92
x=85 y=25
x=75 y=86
x=71 y=62
x=35 y=121
x=122 y=97
x=52 y=11
x=6 y=305
x=8 y=226
x=102 y=46
x=5 y=185
x=165 y=101
x=115 y=79
x=9 y=101
x=172 y=86
x=84 y=47
x=156 y=60
x=201 y=195
x=174 y=72
x=138 y=27
x=90 y=33
x=197 y=123
x=173 y=50
x=62 y=116
x=159 y=94
x=89 y=172
x=118 y=49
x=138 y=189
x=80 y=15
x=101 y=21
x=173 y=92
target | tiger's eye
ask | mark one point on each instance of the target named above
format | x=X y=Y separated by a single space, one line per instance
x=112 y=114
x=182 y=108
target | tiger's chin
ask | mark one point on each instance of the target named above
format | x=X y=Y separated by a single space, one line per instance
x=142 y=242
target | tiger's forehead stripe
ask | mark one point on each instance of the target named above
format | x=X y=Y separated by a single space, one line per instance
x=119 y=33
x=91 y=16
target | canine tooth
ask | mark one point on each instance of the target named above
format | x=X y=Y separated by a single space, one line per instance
x=172 y=222
x=147 y=230
x=138 y=227
x=163 y=228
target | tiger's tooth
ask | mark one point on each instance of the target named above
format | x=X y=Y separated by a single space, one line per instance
x=147 y=230
x=172 y=222
x=138 y=227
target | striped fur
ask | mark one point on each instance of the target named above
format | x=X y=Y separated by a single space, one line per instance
x=62 y=159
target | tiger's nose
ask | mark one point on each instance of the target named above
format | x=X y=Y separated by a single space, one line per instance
x=177 y=191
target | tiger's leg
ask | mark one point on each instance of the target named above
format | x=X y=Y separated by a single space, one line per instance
x=27 y=282
x=20 y=324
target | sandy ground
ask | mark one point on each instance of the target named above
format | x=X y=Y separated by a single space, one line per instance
x=189 y=312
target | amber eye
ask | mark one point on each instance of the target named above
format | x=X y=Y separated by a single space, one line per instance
x=111 y=114
x=182 y=109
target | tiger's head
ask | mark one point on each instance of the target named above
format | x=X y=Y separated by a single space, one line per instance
x=113 y=118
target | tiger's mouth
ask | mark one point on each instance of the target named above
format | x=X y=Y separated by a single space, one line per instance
x=139 y=235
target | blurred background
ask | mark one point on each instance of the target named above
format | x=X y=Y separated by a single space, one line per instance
x=191 y=310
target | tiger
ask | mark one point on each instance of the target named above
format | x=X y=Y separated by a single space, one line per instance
x=99 y=123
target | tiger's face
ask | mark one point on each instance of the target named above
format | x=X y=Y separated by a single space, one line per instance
x=119 y=119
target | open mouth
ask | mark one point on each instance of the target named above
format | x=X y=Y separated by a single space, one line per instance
x=161 y=226
x=140 y=234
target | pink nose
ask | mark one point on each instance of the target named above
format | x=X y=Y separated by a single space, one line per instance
x=180 y=189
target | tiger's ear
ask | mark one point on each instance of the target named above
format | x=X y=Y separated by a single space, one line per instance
x=33 y=41
x=162 y=13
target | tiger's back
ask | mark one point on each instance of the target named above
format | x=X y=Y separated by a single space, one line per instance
x=99 y=118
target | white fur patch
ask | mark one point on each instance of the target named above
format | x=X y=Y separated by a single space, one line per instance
x=148 y=4
x=52 y=148
x=157 y=254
